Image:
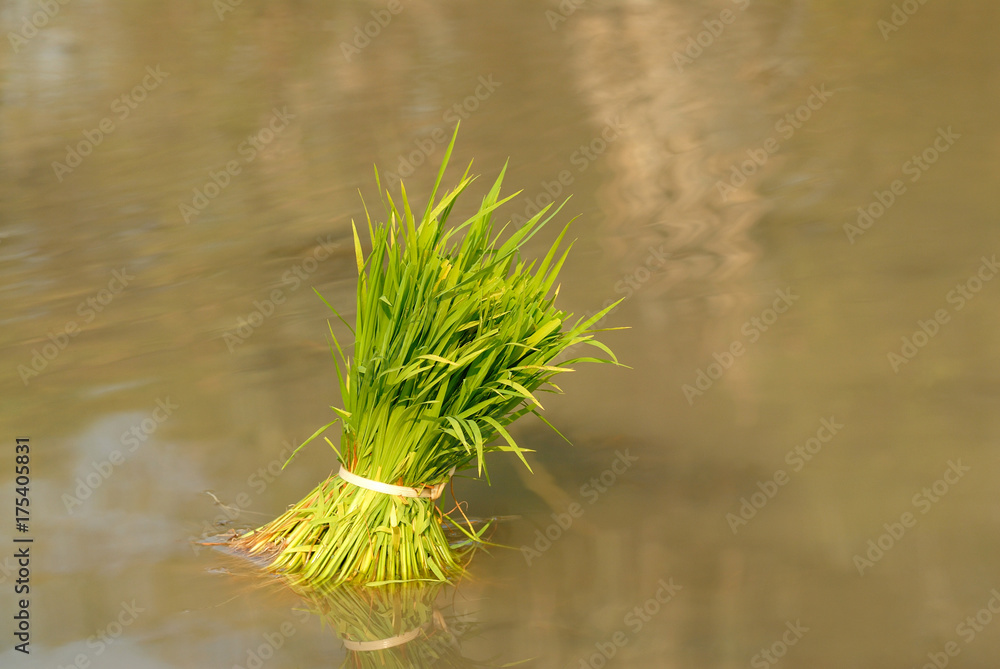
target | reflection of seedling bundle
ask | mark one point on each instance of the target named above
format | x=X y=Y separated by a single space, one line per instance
x=454 y=335
x=398 y=625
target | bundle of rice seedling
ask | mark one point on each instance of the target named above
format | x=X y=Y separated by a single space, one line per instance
x=455 y=335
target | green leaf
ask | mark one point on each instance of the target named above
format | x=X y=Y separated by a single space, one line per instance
x=359 y=256
x=314 y=435
x=510 y=440
x=541 y=333
x=437 y=358
x=521 y=390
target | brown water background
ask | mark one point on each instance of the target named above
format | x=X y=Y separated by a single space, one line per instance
x=640 y=109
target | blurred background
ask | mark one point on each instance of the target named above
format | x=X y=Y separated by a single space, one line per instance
x=800 y=466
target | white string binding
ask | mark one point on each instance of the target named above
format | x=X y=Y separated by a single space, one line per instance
x=431 y=492
x=382 y=644
x=398 y=640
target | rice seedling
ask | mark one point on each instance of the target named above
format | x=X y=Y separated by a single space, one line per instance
x=455 y=336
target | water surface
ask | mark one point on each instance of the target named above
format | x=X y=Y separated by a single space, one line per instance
x=718 y=498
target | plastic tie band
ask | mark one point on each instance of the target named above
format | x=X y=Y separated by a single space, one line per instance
x=383 y=644
x=398 y=640
x=426 y=492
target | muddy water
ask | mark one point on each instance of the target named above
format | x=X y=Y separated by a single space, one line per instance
x=795 y=199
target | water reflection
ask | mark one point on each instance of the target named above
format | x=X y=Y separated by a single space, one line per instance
x=406 y=626
x=684 y=249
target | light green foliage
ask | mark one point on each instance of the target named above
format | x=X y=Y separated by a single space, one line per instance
x=455 y=334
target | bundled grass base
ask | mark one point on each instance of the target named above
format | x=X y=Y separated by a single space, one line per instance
x=340 y=530
x=454 y=336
